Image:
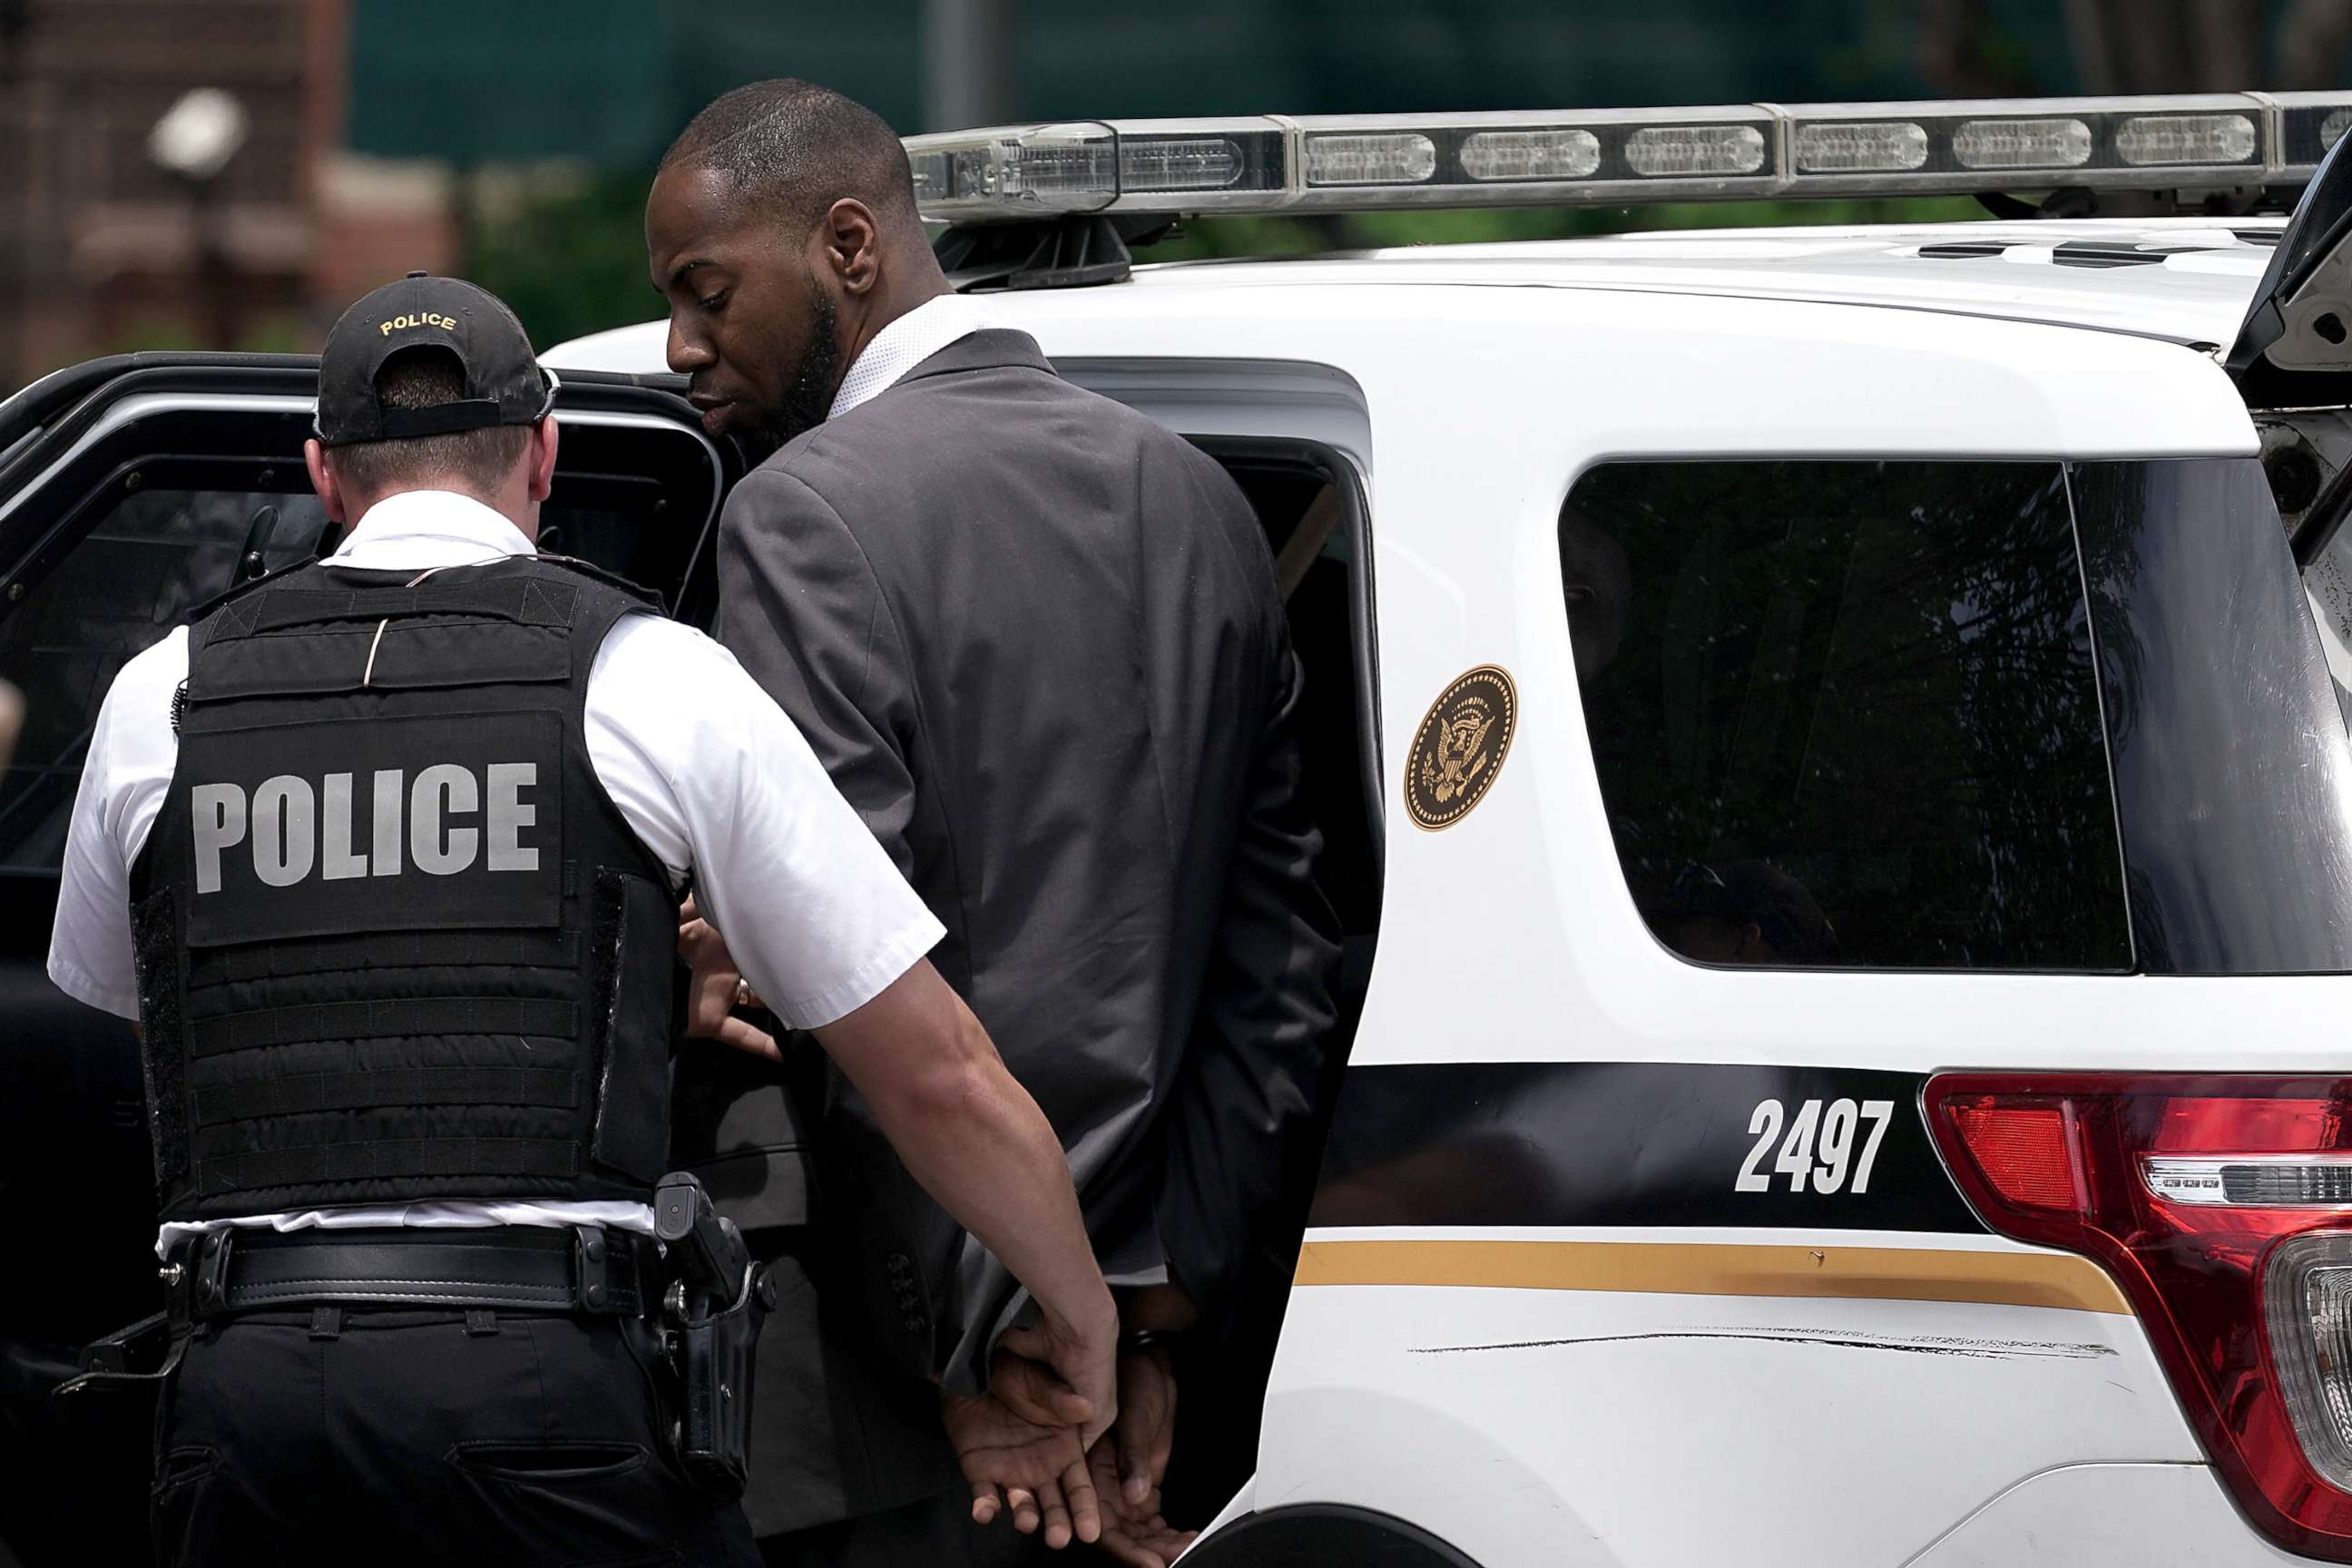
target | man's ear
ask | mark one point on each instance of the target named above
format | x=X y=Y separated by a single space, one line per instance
x=542 y=458
x=852 y=245
x=325 y=480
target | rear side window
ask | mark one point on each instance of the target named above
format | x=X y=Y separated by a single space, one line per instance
x=2231 y=768
x=1847 y=712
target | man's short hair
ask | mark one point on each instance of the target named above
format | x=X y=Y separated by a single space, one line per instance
x=792 y=149
x=478 y=461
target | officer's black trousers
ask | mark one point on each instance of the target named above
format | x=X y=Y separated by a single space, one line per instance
x=361 y=1435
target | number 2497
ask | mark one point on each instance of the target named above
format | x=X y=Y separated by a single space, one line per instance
x=1819 y=1146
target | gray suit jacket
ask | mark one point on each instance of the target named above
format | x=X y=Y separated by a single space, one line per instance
x=1036 y=641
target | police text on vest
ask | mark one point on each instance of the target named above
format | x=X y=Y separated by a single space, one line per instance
x=296 y=828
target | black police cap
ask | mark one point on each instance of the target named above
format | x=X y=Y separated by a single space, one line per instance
x=504 y=382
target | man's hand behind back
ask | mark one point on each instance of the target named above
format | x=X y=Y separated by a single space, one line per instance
x=1131 y=1460
x=1146 y=1429
x=1133 y=1533
x=1019 y=1447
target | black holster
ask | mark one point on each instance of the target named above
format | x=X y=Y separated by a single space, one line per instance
x=712 y=1316
x=714 y=1361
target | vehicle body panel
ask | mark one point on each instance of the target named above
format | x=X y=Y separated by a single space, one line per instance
x=2106 y=1516
x=1799 y=1431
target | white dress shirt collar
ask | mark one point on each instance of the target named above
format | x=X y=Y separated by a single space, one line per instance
x=906 y=344
x=418 y=528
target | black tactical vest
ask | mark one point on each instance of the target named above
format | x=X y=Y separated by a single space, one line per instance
x=394 y=939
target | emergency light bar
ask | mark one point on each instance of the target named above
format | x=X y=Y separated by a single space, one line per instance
x=1612 y=157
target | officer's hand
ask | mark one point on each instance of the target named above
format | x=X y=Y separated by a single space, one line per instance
x=1083 y=1360
x=1039 y=1472
x=715 y=988
x=1133 y=1533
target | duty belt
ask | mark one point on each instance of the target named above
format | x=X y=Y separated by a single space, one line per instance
x=705 y=1298
x=516 y=1268
x=512 y=1268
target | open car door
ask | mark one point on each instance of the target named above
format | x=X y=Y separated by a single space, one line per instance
x=132 y=492
x=2296 y=339
x=2291 y=361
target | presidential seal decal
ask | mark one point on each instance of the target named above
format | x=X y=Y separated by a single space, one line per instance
x=1459 y=748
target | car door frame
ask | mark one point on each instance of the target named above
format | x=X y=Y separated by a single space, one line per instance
x=56 y=423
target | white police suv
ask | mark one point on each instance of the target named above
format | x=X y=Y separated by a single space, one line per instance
x=1831 y=768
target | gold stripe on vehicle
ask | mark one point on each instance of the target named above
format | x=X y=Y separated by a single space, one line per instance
x=1677 y=1268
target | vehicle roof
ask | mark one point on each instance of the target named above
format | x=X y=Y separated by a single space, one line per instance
x=2187 y=280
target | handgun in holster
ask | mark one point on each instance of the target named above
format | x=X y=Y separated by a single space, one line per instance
x=712 y=1312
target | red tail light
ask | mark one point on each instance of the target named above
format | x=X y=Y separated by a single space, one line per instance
x=2026 y=1150
x=2223 y=1207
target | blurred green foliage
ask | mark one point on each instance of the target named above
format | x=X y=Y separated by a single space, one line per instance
x=568 y=252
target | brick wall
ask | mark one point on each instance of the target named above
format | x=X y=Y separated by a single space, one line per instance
x=100 y=249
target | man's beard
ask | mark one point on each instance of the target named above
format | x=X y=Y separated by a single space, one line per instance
x=809 y=398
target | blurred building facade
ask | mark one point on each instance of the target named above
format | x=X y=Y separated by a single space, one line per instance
x=513 y=139
x=102 y=248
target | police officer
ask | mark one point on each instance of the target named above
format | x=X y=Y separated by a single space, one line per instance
x=385 y=854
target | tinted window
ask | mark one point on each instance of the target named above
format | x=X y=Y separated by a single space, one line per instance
x=153 y=558
x=1847 y=712
x=2230 y=760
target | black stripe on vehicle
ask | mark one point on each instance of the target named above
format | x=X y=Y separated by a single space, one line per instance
x=1635 y=1143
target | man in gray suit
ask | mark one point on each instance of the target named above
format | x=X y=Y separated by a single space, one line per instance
x=1036 y=640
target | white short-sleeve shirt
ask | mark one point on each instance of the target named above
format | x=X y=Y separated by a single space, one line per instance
x=712 y=776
